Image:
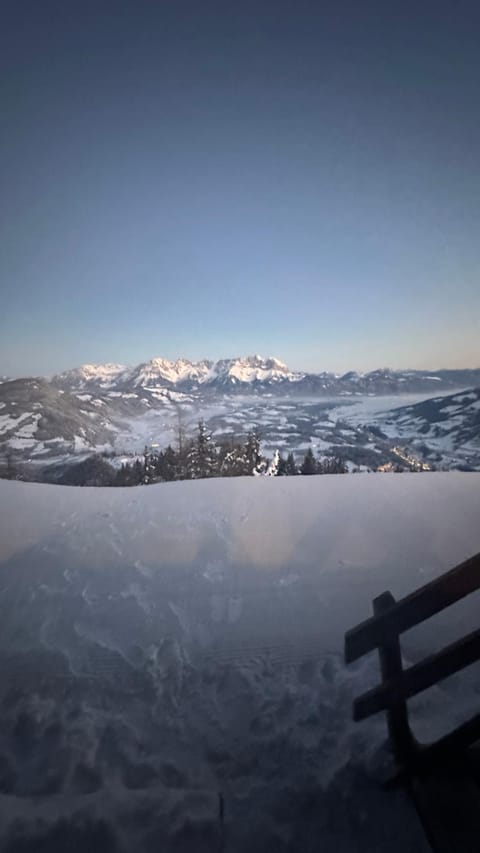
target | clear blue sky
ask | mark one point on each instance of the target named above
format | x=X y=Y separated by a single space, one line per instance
x=206 y=179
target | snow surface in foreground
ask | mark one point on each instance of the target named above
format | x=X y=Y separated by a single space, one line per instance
x=161 y=644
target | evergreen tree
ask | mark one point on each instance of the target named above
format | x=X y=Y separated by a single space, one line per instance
x=254 y=461
x=149 y=467
x=282 y=466
x=167 y=464
x=340 y=466
x=183 y=449
x=309 y=465
x=129 y=475
x=11 y=473
x=202 y=454
x=137 y=472
x=124 y=475
x=273 y=465
x=290 y=467
x=231 y=460
x=332 y=465
x=93 y=471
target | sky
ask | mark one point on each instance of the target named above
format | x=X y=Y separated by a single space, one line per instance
x=209 y=179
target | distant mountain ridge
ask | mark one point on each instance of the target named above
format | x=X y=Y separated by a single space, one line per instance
x=257 y=374
x=181 y=373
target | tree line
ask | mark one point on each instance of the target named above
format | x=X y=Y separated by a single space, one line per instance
x=201 y=457
x=193 y=458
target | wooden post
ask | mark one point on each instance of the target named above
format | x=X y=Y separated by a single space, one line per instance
x=402 y=740
x=415 y=608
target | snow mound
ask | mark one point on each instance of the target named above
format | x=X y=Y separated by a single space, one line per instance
x=165 y=644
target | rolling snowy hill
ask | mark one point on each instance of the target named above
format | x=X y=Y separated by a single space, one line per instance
x=447 y=427
x=37 y=418
x=162 y=645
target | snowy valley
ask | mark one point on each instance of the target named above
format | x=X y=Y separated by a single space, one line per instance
x=383 y=420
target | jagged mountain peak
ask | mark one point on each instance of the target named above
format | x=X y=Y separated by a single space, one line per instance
x=102 y=375
x=161 y=370
x=243 y=369
x=253 y=368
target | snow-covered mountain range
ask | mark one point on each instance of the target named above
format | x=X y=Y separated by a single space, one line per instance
x=256 y=374
x=182 y=373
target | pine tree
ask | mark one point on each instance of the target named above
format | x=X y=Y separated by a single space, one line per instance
x=332 y=465
x=183 y=449
x=137 y=473
x=282 y=466
x=11 y=473
x=254 y=461
x=290 y=468
x=202 y=454
x=341 y=467
x=272 y=468
x=309 y=465
x=167 y=464
x=130 y=475
x=121 y=478
x=148 y=467
x=231 y=460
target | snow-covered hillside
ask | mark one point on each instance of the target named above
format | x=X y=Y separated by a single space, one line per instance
x=37 y=419
x=448 y=426
x=161 y=645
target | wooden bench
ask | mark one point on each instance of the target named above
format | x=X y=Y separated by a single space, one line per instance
x=443 y=777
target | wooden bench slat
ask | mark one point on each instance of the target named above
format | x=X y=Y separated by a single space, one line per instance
x=414 y=608
x=432 y=669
